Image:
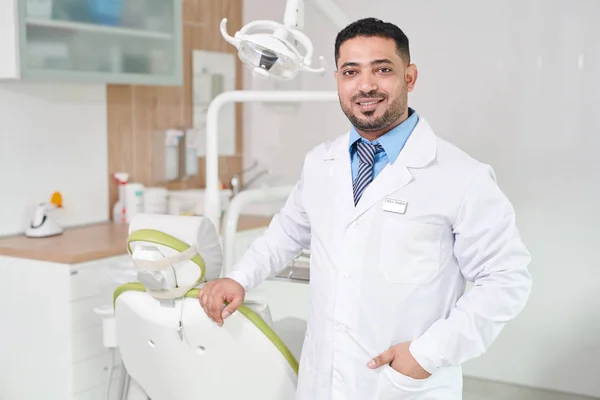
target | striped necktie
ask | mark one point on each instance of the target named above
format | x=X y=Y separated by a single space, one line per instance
x=366 y=156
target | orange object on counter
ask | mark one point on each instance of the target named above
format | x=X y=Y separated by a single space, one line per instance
x=57 y=199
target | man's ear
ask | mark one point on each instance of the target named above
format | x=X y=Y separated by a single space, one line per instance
x=410 y=77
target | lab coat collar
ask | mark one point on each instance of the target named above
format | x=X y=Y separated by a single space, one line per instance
x=420 y=150
x=394 y=140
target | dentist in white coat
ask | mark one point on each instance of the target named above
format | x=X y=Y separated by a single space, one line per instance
x=397 y=221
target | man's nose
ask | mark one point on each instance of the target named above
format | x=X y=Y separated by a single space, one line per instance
x=367 y=83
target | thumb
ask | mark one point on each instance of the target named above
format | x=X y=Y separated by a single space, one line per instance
x=384 y=358
x=231 y=306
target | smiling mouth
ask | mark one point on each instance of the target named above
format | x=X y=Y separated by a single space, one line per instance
x=369 y=103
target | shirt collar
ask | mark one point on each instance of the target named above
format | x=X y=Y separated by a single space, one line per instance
x=392 y=141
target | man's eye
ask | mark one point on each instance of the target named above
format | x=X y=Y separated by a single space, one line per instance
x=349 y=73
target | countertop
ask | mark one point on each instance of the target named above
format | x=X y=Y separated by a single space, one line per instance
x=87 y=243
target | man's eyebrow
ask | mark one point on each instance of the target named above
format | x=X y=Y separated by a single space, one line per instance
x=349 y=64
x=382 y=61
x=374 y=62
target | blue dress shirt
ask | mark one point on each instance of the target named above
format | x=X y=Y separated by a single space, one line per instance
x=392 y=142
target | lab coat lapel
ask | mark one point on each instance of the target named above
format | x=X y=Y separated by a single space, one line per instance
x=419 y=151
x=341 y=175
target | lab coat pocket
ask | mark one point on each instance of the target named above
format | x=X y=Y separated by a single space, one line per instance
x=410 y=251
x=445 y=384
x=394 y=386
x=404 y=382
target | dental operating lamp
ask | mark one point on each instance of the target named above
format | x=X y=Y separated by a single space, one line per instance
x=271 y=56
x=274 y=55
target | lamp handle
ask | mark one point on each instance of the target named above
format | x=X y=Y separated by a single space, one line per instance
x=226 y=35
x=306 y=43
x=321 y=70
x=261 y=23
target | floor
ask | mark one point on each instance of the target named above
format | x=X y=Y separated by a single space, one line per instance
x=475 y=389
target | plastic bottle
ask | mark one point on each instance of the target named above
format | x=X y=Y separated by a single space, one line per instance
x=119 y=209
x=134 y=200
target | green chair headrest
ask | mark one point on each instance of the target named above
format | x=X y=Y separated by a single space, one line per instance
x=161 y=238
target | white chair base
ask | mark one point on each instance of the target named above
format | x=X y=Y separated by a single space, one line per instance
x=201 y=360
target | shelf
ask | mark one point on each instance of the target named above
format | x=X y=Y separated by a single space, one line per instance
x=72 y=76
x=73 y=43
x=113 y=30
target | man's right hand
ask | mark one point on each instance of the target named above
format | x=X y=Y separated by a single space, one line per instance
x=214 y=294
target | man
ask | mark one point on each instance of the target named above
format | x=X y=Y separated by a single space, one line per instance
x=397 y=220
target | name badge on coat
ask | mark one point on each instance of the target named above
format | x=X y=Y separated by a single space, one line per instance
x=395 y=206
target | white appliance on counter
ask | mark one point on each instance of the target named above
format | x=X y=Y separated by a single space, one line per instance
x=44 y=222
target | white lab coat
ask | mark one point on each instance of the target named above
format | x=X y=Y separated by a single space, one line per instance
x=379 y=278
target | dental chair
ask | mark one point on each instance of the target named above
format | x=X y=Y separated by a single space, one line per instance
x=169 y=346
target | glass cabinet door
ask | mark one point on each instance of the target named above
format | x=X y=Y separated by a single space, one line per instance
x=109 y=41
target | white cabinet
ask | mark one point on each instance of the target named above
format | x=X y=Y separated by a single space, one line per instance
x=92 y=41
x=50 y=337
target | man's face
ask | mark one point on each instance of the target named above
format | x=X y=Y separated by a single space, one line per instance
x=373 y=83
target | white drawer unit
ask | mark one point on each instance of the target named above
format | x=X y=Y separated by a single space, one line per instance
x=50 y=338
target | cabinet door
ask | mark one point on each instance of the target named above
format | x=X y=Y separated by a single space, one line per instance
x=103 y=41
x=9 y=62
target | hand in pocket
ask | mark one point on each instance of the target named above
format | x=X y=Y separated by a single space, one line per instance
x=401 y=360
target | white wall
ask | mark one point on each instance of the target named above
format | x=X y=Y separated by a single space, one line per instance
x=52 y=138
x=516 y=84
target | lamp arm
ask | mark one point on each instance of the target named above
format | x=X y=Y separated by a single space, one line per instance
x=294 y=14
x=212 y=198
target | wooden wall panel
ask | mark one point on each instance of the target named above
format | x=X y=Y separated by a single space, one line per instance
x=136 y=112
x=189 y=32
x=155 y=109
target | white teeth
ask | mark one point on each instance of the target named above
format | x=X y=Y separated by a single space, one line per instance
x=369 y=103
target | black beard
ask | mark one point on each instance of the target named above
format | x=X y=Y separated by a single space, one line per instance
x=391 y=115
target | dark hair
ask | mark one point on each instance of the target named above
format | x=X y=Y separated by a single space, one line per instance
x=370 y=27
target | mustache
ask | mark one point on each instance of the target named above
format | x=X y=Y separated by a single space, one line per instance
x=369 y=95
